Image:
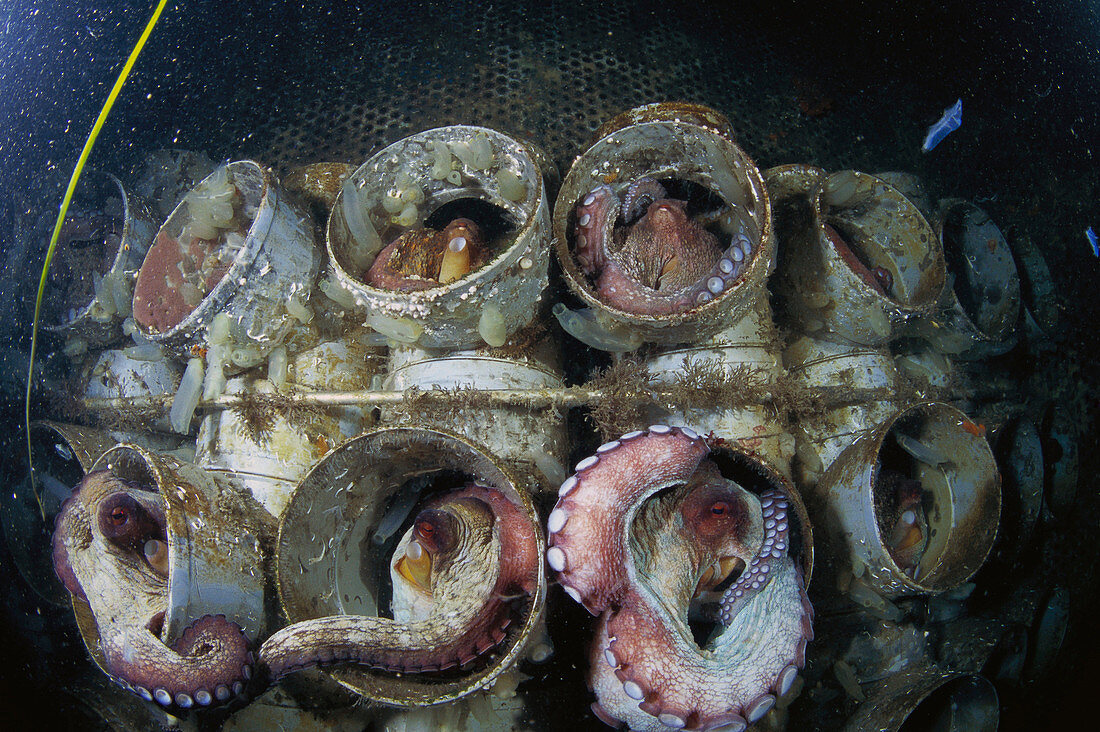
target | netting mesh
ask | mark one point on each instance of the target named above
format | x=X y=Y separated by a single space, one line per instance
x=552 y=78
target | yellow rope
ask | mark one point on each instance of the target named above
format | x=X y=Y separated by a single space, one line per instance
x=61 y=220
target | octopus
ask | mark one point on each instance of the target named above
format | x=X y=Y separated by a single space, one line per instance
x=905 y=522
x=648 y=257
x=878 y=279
x=421 y=259
x=110 y=550
x=460 y=575
x=647 y=531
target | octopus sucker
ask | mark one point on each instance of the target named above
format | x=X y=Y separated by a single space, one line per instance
x=647 y=256
x=643 y=466
x=652 y=526
x=483 y=566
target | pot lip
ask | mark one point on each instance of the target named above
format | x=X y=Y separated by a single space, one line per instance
x=441 y=690
x=503 y=259
x=866 y=487
x=229 y=284
x=579 y=283
x=938 y=267
x=694 y=113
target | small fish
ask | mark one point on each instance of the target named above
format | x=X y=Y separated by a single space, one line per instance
x=948 y=123
x=1093 y=241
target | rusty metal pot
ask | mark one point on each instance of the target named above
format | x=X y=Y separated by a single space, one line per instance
x=976 y=317
x=867 y=264
x=928 y=461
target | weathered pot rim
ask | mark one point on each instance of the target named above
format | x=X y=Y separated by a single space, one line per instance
x=414 y=691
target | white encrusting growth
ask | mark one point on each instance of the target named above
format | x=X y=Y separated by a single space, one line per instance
x=187 y=397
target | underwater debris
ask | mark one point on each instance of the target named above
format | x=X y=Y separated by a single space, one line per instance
x=950 y=121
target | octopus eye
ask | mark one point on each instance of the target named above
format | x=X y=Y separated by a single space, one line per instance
x=433 y=529
x=128 y=524
x=720 y=509
x=425 y=530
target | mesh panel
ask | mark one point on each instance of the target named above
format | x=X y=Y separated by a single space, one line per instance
x=552 y=77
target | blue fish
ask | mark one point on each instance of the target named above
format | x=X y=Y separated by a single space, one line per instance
x=1091 y=236
x=948 y=123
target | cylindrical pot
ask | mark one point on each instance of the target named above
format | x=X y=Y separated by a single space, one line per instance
x=412 y=191
x=164 y=567
x=689 y=150
x=102 y=243
x=929 y=698
x=213 y=540
x=744 y=358
x=817 y=365
x=343 y=524
x=533 y=442
x=269 y=444
x=912 y=506
x=976 y=316
x=868 y=263
x=235 y=245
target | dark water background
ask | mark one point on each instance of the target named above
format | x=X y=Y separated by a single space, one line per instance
x=831 y=83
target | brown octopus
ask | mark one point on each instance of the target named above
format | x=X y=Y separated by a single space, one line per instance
x=421 y=259
x=457 y=573
x=658 y=260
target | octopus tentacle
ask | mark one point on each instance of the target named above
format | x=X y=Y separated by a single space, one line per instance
x=209 y=663
x=646 y=668
x=596 y=218
x=596 y=504
x=458 y=631
x=639 y=196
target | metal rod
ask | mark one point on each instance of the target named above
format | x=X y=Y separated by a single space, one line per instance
x=560 y=398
